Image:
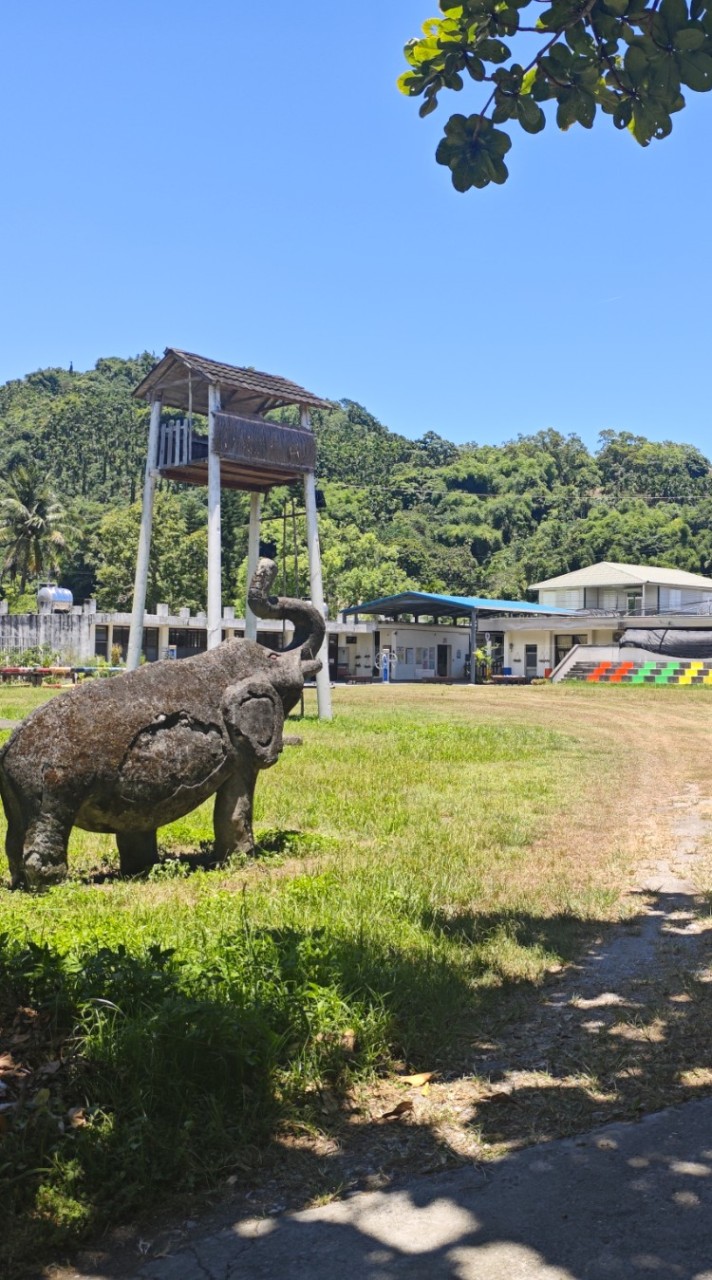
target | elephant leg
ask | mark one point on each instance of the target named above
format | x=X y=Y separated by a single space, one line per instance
x=17 y=821
x=44 y=851
x=14 y=845
x=138 y=851
x=232 y=816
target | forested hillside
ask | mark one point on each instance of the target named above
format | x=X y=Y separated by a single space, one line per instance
x=472 y=519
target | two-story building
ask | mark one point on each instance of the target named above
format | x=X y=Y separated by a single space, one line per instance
x=609 y=604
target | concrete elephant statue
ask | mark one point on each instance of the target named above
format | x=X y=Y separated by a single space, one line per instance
x=129 y=754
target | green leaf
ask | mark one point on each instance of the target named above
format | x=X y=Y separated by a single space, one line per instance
x=543 y=89
x=586 y=109
x=578 y=39
x=560 y=58
x=428 y=106
x=616 y=6
x=497 y=142
x=505 y=108
x=674 y=15
x=407 y=83
x=636 y=64
x=500 y=172
x=643 y=123
x=530 y=115
x=623 y=114
x=508 y=20
x=696 y=71
x=664 y=125
x=690 y=38
x=528 y=79
x=463 y=176
x=476 y=68
x=664 y=77
x=493 y=50
x=567 y=110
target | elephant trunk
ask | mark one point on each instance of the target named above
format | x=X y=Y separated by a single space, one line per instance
x=309 y=626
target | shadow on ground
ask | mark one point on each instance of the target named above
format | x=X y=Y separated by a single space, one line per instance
x=628 y=1201
x=181 y=1092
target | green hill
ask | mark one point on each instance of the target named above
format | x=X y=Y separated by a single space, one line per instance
x=426 y=513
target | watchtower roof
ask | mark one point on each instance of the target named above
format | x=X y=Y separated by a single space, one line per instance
x=182 y=379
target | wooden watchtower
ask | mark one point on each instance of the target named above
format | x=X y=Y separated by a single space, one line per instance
x=243 y=450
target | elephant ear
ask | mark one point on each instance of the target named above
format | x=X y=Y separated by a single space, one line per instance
x=253 y=714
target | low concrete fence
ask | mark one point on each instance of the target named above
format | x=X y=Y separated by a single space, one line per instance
x=66 y=636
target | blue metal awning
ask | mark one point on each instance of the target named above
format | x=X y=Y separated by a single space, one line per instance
x=418 y=602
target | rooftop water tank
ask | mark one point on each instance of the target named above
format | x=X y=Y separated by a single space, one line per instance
x=54 y=599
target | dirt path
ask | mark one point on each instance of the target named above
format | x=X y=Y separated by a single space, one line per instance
x=628 y=1028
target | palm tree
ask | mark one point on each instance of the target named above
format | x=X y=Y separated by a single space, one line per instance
x=31 y=536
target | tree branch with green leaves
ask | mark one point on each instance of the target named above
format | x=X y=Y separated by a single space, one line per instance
x=627 y=58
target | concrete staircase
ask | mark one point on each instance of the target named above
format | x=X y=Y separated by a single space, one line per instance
x=655 y=671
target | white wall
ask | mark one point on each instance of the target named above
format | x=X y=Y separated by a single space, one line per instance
x=514 y=650
x=572 y=599
x=69 y=635
x=672 y=598
x=517 y=635
x=356 y=660
x=416 y=648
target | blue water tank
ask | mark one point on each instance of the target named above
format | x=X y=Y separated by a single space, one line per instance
x=56 y=599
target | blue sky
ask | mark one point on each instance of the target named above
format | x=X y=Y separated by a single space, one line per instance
x=244 y=180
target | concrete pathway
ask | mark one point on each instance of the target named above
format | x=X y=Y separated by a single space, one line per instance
x=627 y=1201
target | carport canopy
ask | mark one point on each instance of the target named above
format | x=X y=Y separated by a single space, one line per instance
x=419 y=603
x=428 y=604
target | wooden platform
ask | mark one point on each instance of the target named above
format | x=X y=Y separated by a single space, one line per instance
x=255 y=454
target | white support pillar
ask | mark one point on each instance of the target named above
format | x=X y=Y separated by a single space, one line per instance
x=133 y=656
x=214 y=531
x=323 y=684
x=253 y=555
x=473 y=647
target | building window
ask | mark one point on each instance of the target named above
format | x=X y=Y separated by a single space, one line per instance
x=531 y=658
x=188 y=641
x=564 y=644
x=425 y=657
x=634 y=602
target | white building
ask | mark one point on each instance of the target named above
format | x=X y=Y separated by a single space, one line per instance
x=604 y=601
x=627 y=589
x=580 y=615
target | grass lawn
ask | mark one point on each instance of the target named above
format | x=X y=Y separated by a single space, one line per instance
x=426 y=859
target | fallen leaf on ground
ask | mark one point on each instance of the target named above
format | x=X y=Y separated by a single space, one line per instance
x=400 y=1110
x=77 y=1117
x=7 y=1062
x=49 y=1068
x=422 y=1078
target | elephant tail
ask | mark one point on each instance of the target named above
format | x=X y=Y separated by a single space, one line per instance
x=309 y=626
